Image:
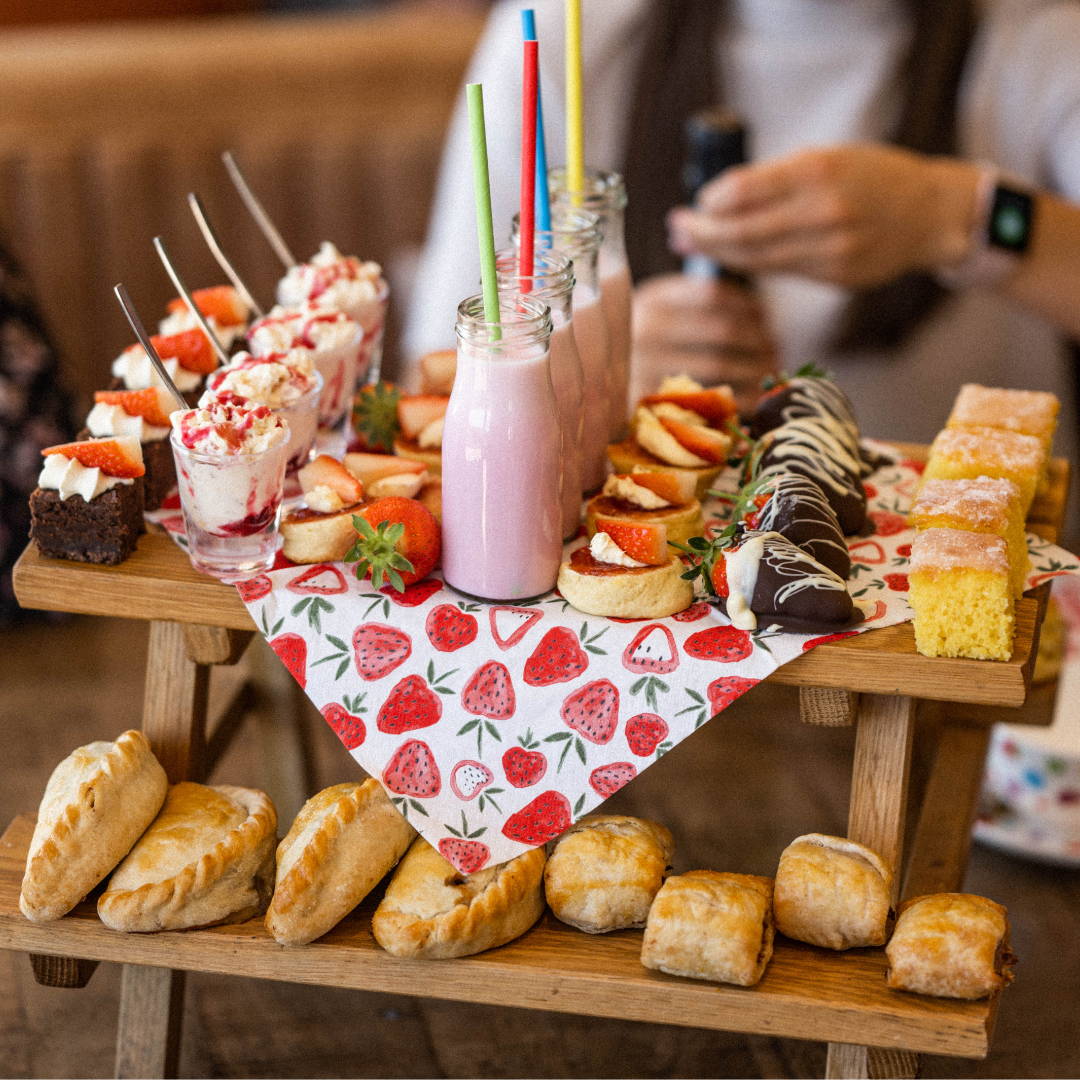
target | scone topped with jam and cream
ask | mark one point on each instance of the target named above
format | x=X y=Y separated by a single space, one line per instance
x=645 y=496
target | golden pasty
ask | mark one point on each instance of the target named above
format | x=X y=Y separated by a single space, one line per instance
x=432 y=911
x=950 y=945
x=832 y=892
x=208 y=857
x=97 y=803
x=708 y=925
x=606 y=870
x=341 y=845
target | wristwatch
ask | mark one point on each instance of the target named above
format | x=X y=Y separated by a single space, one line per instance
x=1004 y=223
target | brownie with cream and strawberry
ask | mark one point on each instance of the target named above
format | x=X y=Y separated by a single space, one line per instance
x=627 y=570
x=222 y=307
x=88 y=505
x=143 y=414
x=649 y=497
x=187 y=357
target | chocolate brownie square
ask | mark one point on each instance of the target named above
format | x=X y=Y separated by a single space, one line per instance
x=104 y=530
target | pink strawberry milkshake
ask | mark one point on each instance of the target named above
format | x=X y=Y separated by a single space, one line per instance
x=502 y=456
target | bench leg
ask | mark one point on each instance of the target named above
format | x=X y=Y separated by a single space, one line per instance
x=151 y=1013
x=847 y=1062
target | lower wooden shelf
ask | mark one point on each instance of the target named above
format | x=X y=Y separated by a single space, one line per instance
x=806 y=993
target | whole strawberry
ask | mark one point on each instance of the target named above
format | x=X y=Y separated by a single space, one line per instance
x=558 y=658
x=397 y=541
x=593 y=711
x=413 y=771
x=490 y=692
x=378 y=649
x=725 y=644
x=449 y=628
x=411 y=704
x=467 y=856
x=539 y=821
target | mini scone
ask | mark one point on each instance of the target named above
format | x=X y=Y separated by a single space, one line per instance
x=606 y=870
x=626 y=571
x=433 y=912
x=97 y=803
x=642 y=496
x=832 y=892
x=343 y=842
x=708 y=925
x=322 y=531
x=420 y=423
x=950 y=945
x=208 y=857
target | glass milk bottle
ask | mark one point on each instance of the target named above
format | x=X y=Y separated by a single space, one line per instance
x=501 y=454
x=577 y=234
x=605 y=195
x=552 y=281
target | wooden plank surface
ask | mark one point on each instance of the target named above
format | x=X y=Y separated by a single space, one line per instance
x=806 y=993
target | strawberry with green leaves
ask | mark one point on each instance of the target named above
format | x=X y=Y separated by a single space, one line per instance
x=375 y=416
x=398 y=542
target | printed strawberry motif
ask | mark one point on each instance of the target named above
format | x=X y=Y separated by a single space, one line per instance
x=558 y=658
x=490 y=692
x=411 y=704
x=871 y=491
x=813 y=643
x=692 y=613
x=904 y=550
x=467 y=856
x=593 y=711
x=915 y=466
x=413 y=771
x=469 y=778
x=292 y=652
x=321 y=580
x=254 y=588
x=524 y=765
x=449 y=628
x=378 y=649
x=869 y=552
x=348 y=728
x=652 y=651
x=546 y=817
x=645 y=732
x=897 y=582
x=607 y=779
x=886 y=523
x=723 y=691
x=510 y=624
x=725 y=644
x=414 y=595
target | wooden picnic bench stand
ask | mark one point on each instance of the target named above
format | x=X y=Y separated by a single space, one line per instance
x=875 y=680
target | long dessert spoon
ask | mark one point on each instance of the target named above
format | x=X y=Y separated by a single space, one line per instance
x=148 y=346
x=182 y=289
x=214 y=244
x=255 y=208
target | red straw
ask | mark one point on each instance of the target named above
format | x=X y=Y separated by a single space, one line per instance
x=528 y=162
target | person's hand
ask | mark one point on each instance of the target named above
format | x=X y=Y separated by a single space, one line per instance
x=855 y=215
x=714 y=331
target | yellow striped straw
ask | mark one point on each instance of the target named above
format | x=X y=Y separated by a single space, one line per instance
x=575 y=112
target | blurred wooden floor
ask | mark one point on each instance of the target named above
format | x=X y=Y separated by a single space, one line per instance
x=734 y=794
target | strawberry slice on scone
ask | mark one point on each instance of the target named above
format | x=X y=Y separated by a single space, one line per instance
x=645 y=542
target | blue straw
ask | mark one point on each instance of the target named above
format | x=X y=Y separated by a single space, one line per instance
x=543 y=197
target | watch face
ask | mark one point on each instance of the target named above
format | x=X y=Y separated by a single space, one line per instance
x=1010 y=221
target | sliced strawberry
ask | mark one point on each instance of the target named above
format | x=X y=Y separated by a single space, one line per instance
x=326 y=471
x=191 y=349
x=416 y=411
x=398 y=540
x=367 y=468
x=221 y=303
x=120 y=457
x=645 y=542
x=405 y=485
x=151 y=404
x=711 y=445
x=715 y=403
x=676 y=488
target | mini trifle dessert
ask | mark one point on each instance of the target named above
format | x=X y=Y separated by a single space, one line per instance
x=337 y=282
x=643 y=496
x=230 y=461
x=287 y=383
x=143 y=414
x=221 y=306
x=331 y=341
x=88 y=505
x=187 y=356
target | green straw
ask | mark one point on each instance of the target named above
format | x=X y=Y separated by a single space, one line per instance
x=485 y=233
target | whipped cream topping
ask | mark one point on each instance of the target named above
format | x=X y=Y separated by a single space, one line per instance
x=333 y=279
x=104 y=420
x=741 y=567
x=625 y=489
x=307 y=326
x=324 y=499
x=430 y=435
x=224 y=428
x=604 y=549
x=68 y=477
x=134 y=368
x=179 y=321
x=276 y=380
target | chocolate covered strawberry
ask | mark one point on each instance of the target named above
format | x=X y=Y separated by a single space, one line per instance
x=593 y=711
x=644 y=733
x=411 y=704
x=378 y=649
x=292 y=652
x=490 y=692
x=723 y=691
x=652 y=651
x=413 y=771
x=524 y=765
x=349 y=729
x=724 y=644
x=467 y=856
x=607 y=779
x=557 y=658
x=449 y=628
x=546 y=817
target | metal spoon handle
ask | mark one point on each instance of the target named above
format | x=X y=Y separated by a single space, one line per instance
x=182 y=289
x=144 y=340
x=214 y=244
x=255 y=208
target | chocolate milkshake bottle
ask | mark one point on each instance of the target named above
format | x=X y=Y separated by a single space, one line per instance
x=605 y=196
x=552 y=281
x=577 y=235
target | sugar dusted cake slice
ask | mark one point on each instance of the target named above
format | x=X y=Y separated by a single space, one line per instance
x=967 y=453
x=979 y=505
x=961 y=594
